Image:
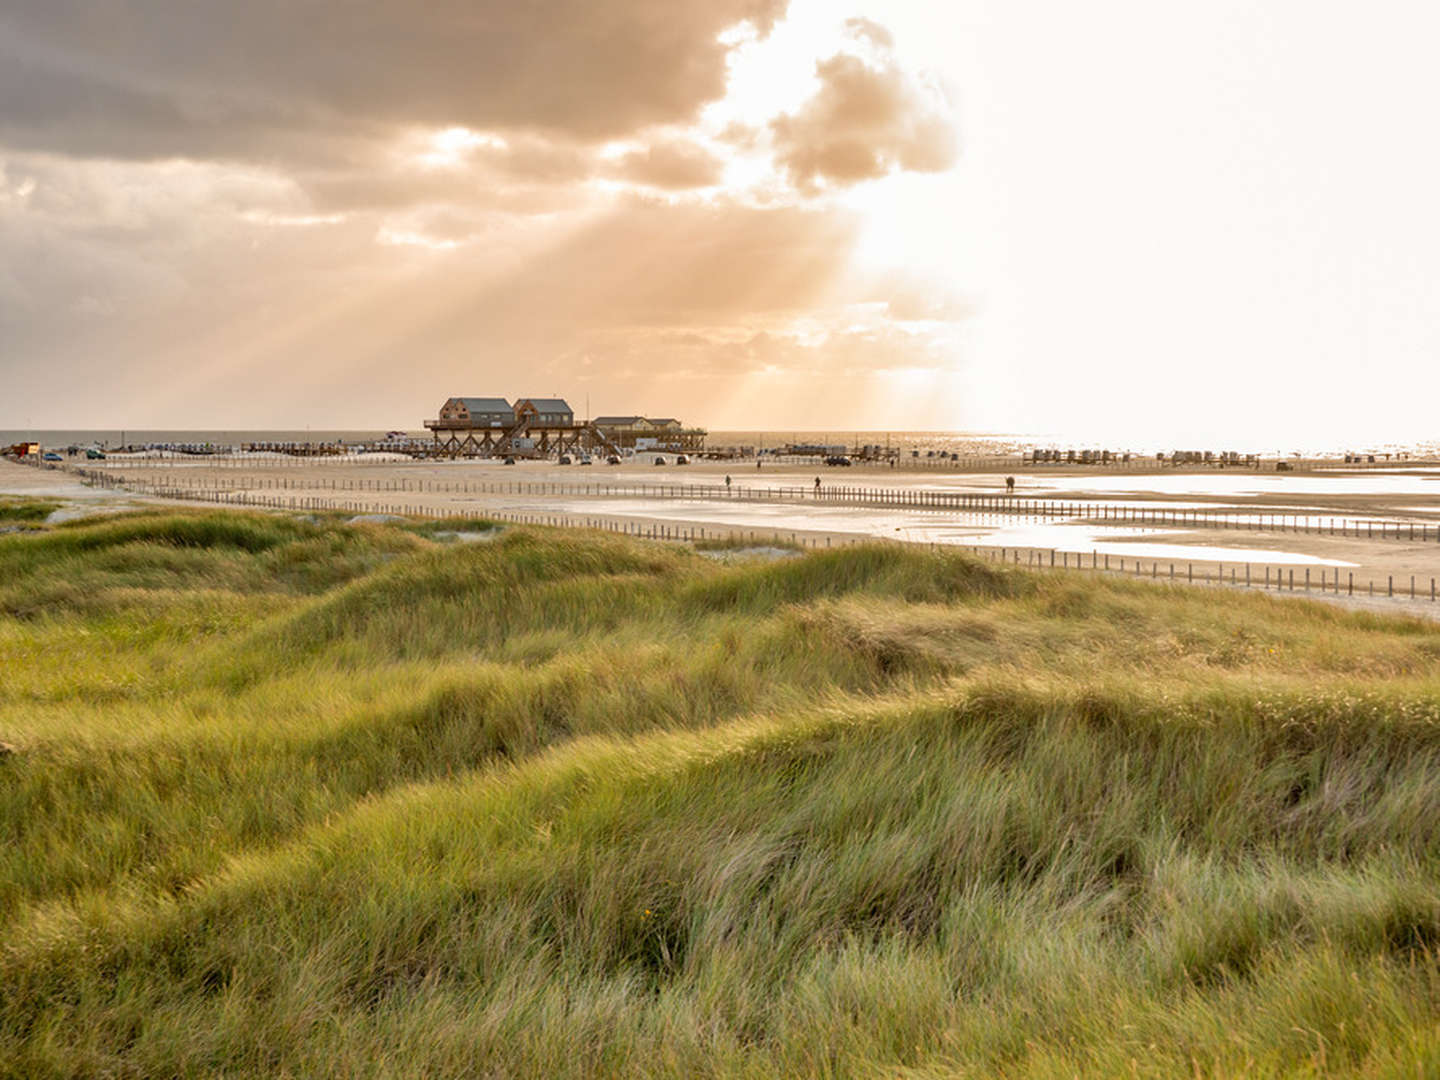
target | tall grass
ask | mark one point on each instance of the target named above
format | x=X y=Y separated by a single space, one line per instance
x=300 y=798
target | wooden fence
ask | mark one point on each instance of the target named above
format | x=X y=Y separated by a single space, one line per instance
x=1247 y=575
x=1097 y=511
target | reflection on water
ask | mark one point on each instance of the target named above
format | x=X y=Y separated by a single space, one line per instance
x=923 y=527
x=1237 y=485
x=1112 y=542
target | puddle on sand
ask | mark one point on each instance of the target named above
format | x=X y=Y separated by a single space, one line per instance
x=922 y=527
x=1123 y=542
x=1233 y=485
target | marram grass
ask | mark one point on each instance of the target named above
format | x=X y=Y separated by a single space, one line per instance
x=291 y=797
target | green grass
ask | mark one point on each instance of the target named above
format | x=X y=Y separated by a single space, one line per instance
x=292 y=797
x=25 y=511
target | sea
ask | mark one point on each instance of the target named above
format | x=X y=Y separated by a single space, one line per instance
x=964 y=443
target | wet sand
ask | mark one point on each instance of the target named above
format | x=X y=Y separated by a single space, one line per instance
x=440 y=488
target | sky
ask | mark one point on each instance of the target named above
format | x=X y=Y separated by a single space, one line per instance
x=1123 y=220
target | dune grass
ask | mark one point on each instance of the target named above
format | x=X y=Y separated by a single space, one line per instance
x=25 y=511
x=288 y=796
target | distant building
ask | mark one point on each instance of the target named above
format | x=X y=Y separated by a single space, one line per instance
x=491 y=426
x=648 y=433
x=480 y=412
x=545 y=412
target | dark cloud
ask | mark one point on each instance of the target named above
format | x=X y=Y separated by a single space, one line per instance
x=274 y=79
x=868 y=119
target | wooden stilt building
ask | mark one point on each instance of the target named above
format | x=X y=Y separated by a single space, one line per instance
x=532 y=427
x=652 y=433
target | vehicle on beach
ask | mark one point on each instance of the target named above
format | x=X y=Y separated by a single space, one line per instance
x=564 y=459
x=50 y=455
x=659 y=460
x=681 y=459
x=95 y=455
x=509 y=460
x=837 y=459
x=586 y=459
x=612 y=460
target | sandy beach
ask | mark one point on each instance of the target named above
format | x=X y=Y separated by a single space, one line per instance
x=779 y=501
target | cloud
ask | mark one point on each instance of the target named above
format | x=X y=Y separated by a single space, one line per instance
x=869 y=118
x=270 y=79
x=871 y=31
x=523 y=175
x=674 y=164
x=201 y=200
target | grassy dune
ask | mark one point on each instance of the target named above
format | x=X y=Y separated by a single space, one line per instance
x=291 y=797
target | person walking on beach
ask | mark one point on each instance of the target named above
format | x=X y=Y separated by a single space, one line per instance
x=727 y=480
x=817 y=485
x=1009 y=485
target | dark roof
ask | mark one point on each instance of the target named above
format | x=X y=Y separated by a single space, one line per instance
x=485 y=404
x=546 y=404
x=615 y=421
x=662 y=420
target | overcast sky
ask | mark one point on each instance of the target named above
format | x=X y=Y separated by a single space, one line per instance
x=1122 y=219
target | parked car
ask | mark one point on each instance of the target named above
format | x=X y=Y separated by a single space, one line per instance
x=95 y=455
x=612 y=460
x=681 y=459
x=586 y=460
x=659 y=460
x=50 y=455
x=837 y=459
x=564 y=459
x=509 y=460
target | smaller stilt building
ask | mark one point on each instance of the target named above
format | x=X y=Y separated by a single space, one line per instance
x=652 y=433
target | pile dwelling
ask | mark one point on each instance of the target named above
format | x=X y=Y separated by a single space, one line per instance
x=536 y=427
x=651 y=433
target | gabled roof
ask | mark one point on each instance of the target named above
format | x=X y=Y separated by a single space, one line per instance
x=616 y=421
x=485 y=404
x=546 y=404
x=662 y=420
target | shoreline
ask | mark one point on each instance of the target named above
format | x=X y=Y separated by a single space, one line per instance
x=1163 y=554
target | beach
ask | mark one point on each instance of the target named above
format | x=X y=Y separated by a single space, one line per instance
x=1358 y=533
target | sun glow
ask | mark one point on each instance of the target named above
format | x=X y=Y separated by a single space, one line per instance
x=450 y=147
